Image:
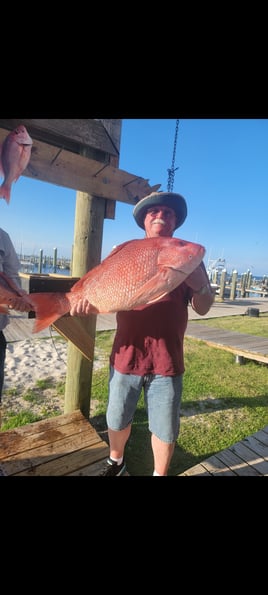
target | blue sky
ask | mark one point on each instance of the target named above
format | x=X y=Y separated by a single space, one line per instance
x=222 y=173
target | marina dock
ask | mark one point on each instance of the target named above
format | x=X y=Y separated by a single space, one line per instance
x=20 y=326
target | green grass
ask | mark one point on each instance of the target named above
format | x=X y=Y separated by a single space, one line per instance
x=249 y=325
x=222 y=402
x=20 y=419
x=34 y=396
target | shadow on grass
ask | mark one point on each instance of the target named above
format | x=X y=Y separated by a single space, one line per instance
x=139 y=456
x=210 y=405
x=138 y=453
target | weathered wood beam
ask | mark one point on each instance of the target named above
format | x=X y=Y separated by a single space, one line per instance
x=73 y=329
x=72 y=134
x=63 y=168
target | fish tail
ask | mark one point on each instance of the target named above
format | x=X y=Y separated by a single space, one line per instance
x=5 y=192
x=48 y=307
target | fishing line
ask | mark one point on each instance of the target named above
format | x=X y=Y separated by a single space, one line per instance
x=54 y=345
x=100 y=360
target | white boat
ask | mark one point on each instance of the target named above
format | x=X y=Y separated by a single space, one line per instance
x=215 y=266
x=26 y=266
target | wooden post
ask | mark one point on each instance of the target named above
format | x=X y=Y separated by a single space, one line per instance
x=40 y=265
x=222 y=285
x=215 y=277
x=243 y=285
x=248 y=279
x=55 y=260
x=89 y=219
x=233 y=285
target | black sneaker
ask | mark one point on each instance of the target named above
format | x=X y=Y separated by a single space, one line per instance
x=113 y=469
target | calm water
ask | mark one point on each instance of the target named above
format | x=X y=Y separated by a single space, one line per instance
x=34 y=270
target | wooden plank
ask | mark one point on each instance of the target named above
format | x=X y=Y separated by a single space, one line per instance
x=240 y=344
x=236 y=351
x=234 y=462
x=248 y=457
x=198 y=469
x=262 y=436
x=73 y=329
x=27 y=459
x=251 y=458
x=63 y=445
x=93 y=469
x=20 y=327
x=69 y=170
x=225 y=337
x=100 y=135
x=68 y=440
x=217 y=467
x=71 y=462
x=41 y=433
x=257 y=446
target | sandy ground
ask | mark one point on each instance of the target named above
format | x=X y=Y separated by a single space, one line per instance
x=30 y=361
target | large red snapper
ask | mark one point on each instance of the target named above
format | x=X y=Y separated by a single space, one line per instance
x=15 y=154
x=135 y=273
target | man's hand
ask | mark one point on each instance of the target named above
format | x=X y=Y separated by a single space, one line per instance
x=198 y=278
x=21 y=303
x=82 y=308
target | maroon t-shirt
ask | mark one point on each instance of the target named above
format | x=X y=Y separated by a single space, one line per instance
x=149 y=339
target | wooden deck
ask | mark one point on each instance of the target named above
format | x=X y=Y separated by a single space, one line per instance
x=240 y=344
x=68 y=445
x=249 y=457
x=58 y=446
x=20 y=327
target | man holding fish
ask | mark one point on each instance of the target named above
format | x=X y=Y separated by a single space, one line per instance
x=147 y=352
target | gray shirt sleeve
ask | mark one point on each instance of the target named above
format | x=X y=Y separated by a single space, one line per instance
x=9 y=264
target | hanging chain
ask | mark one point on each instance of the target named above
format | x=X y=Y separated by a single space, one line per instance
x=171 y=171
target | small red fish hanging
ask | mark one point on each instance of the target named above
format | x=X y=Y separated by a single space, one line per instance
x=15 y=153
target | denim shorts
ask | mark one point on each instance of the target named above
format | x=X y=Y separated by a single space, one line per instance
x=162 y=397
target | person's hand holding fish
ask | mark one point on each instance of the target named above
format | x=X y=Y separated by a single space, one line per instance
x=13 y=297
x=21 y=302
x=198 y=279
x=81 y=308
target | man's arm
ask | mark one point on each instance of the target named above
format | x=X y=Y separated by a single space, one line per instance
x=203 y=294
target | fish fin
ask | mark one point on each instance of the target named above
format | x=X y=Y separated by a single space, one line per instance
x=117 y=249
x=143 y=295
x=159 y=297
x=48 y=307
x=40 y=325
